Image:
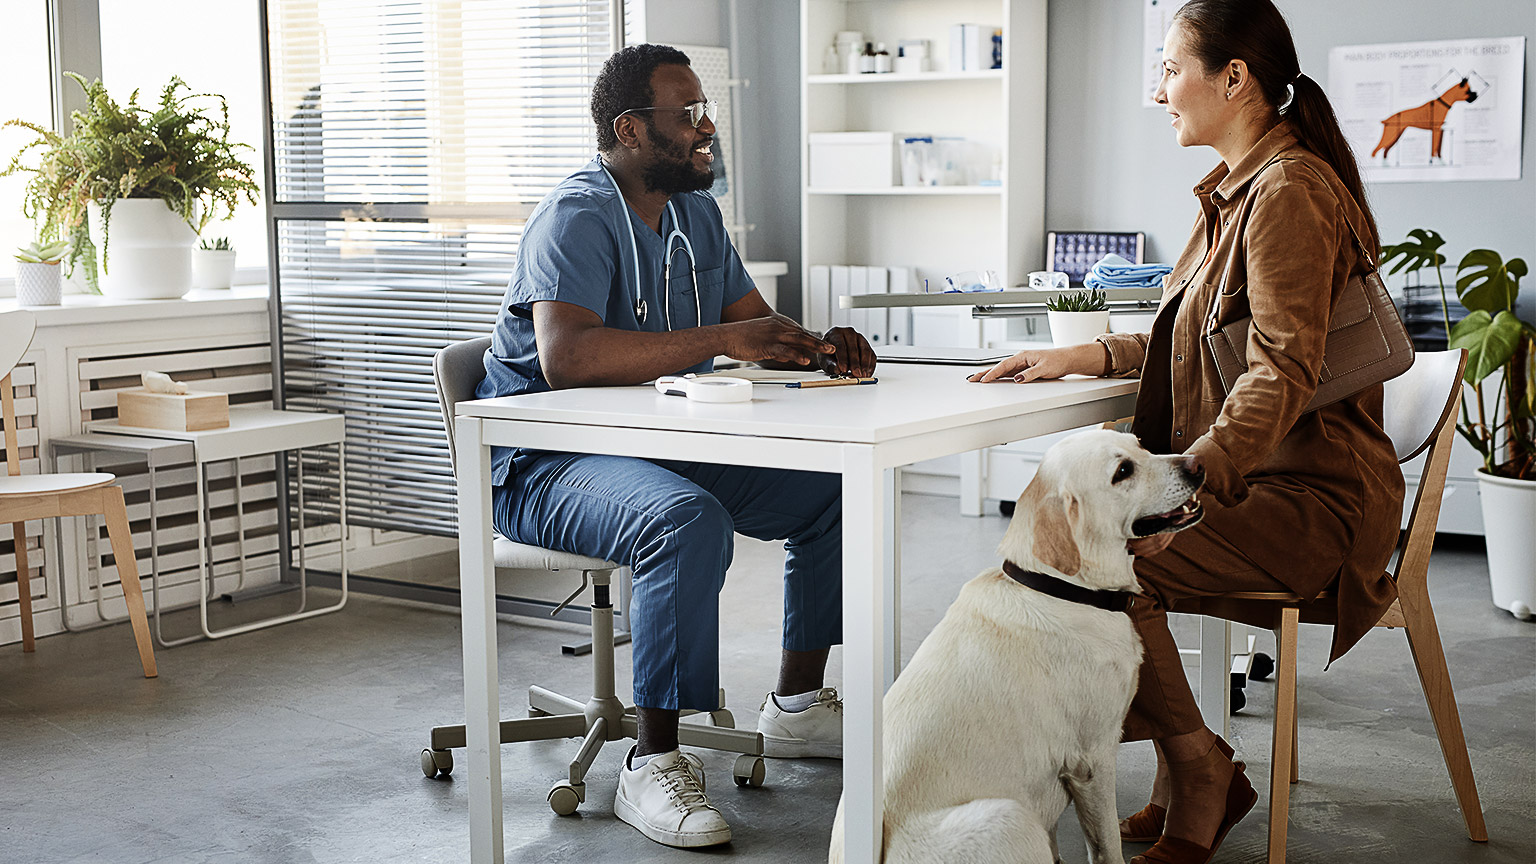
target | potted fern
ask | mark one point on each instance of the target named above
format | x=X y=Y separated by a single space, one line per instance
x=1498 y=411
x=132 y=186
x=38 y=281
x=213 y=264
x=1077 y=316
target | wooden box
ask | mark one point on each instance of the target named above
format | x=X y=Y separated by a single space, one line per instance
x=190 y=412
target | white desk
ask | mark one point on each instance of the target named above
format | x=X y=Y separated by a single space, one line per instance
x=862 y=433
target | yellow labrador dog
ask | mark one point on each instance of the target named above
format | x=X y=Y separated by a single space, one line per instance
x=1012 y=706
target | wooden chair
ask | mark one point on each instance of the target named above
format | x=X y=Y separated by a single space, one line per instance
x=1419 y=414
x=44 y=496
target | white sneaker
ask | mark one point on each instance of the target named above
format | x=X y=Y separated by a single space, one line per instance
x=816 y=731
x=664 y=800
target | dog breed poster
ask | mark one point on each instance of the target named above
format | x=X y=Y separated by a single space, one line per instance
x=1416 y=111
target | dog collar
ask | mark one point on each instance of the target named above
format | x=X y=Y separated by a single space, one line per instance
x=1114 y=601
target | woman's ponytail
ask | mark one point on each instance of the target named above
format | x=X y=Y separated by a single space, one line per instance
x=1312 y=115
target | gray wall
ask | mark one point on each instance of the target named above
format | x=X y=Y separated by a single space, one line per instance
x=1112 y=164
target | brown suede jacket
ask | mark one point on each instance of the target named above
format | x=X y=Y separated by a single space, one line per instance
x=1313 y=499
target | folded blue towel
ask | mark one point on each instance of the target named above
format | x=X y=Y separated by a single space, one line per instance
x=1116 y=272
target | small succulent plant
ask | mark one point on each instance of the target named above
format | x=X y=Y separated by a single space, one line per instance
x=38 y=252
x=1087 y=300
x=220 y=244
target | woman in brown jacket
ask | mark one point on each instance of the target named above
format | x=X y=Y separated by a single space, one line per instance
x=1294 y=501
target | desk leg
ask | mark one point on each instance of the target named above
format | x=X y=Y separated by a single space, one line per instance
x=864 y=652
x=482 y=699
x=891 y=537
x=1215 y=675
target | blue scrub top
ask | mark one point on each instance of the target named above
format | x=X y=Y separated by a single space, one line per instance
x=576 y=249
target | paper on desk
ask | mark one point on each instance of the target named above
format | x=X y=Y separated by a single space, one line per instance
x=758 y=375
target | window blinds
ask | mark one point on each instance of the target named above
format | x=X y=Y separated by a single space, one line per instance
x=410 y=140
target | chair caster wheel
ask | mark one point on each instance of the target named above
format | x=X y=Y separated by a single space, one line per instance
x=749 y=770
x=722 y=719
x=565 y=798
x=434 y=762
x=1239 y=699
x=1263 y=666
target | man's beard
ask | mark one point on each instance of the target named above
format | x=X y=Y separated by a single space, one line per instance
x=673 y=171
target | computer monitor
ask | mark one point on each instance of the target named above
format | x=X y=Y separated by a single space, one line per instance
x=1075 y=252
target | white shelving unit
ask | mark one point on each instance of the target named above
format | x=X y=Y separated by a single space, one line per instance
x=936 y=230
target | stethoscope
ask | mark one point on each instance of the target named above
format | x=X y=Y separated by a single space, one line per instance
x=641 y=310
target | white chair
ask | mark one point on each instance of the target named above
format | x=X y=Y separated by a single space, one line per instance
x=1419 y=413
x=457 y=370
x=46 y=496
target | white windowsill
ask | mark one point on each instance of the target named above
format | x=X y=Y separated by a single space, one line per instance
x=96 y=309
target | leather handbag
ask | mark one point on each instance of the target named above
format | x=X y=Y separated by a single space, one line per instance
x=1366 y=342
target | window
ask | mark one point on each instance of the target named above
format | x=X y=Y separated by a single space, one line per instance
x=26 y=95
x=214 y=46
x=411 y=139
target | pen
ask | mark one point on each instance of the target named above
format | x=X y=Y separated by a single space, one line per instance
x=831 y=382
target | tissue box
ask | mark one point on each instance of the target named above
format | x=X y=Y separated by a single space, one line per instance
x=189 y=412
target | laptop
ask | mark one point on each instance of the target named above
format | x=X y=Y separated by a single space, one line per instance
x=941 y=356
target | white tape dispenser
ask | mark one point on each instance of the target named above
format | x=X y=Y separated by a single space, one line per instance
x=695 y=389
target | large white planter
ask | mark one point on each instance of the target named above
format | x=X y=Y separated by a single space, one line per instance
x=148 y=252
x=1075 y=328
x=38 y=284
x=1509 y=528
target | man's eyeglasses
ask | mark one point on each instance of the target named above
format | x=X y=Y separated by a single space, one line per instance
x=696 y=111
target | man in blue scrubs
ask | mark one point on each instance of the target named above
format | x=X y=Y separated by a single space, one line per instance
x=587 y=307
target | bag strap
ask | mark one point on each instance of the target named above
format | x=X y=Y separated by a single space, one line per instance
x=1370 y=260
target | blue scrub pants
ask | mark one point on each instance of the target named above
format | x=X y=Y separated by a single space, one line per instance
x=671 y=523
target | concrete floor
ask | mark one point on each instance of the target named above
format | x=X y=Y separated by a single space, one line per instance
x=299 y=743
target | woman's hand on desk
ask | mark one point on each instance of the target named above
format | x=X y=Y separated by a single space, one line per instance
x=1036 y=364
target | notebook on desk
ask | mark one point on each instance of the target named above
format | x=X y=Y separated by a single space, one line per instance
x=941 y=356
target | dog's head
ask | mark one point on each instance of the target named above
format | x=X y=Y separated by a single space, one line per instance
x=1093 y=492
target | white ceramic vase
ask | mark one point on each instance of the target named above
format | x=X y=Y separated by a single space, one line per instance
x=1075 y=328
x=1509 y=529
x=148 y=250
x=212 y=268
x=38 y=284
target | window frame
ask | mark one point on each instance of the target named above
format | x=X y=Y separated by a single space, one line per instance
x=74 y=44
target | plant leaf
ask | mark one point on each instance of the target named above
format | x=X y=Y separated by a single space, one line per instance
x=1484 y=281
x=1490 y=341
x=1417 y=252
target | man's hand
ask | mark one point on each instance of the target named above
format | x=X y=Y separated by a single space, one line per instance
x=1146 y=547
x=1036 y=364
x=853 y=355
x=775 y=338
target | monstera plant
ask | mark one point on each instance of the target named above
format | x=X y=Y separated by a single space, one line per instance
x=1500 y=421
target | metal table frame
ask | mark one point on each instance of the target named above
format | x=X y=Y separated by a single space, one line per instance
x=163 y=448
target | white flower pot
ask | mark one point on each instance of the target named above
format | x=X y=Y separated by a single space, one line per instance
x=1075 y=328
x=212 y=268
x=1509 y=529
x=38 y=284
x=148 y=250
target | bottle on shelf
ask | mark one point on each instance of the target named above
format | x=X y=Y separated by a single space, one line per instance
x=867 y=59
x=882 y=58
